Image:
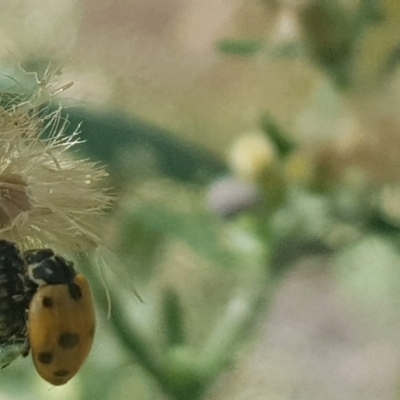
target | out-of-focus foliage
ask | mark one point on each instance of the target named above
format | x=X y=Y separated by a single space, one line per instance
x=208 y=243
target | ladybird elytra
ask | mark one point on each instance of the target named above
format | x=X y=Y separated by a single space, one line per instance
x=61 y=328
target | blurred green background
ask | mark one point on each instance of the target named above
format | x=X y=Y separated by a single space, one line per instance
x=254 y=150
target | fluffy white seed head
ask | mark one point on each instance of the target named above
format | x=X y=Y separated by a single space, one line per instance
x=47 y=196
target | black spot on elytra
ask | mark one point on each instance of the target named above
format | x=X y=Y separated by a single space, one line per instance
x=47 y=302
x=45 y=358
x=92 y=330
x=75 y=291
x=68 y=340
x=61 y=372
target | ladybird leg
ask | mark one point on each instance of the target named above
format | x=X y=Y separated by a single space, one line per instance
x=18 y=298
x=27 y=349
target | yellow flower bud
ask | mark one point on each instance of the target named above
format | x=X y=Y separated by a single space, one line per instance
x=251 y=156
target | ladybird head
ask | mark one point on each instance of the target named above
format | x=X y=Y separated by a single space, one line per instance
x=47 y=268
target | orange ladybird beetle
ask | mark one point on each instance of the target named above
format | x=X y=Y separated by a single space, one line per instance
x=61 y=316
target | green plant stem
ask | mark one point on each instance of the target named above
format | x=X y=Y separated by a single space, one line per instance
x=132 y=338
x=243 y=310
x=151 y=357
x=240 y=316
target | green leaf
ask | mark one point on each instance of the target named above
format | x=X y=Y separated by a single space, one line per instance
x=240 y=47
x=277 y=135
x=369 y=277
x=173 y=318
x=200 y=231
x=117 y=140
